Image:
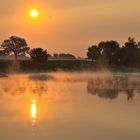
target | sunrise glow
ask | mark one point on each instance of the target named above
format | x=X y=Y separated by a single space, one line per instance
x=34 y=13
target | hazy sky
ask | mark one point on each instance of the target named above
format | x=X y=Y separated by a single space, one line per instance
x=70 y=25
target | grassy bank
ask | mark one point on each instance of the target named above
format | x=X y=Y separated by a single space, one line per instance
x=10 y=66
x=52 y=65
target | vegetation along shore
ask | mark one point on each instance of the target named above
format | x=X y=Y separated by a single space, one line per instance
x=16 y=56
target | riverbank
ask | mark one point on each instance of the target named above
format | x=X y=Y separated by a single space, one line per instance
x=10 y=66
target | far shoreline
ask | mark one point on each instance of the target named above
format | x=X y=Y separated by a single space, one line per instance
x=28 y=66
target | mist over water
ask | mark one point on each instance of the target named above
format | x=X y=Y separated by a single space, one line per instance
x=65 y=105
x=40 y=83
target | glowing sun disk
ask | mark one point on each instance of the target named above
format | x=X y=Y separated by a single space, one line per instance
x=34 y=13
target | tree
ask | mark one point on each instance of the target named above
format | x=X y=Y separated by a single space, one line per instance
x=39 y=55
x=107 y=50
x=130 y=54
x=63 y=56
x=15 y=45
x=55 y=55
x=66 y=56
x=93 y=53
x=130 y=44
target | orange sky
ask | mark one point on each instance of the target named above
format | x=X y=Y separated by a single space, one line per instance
x=70 y=26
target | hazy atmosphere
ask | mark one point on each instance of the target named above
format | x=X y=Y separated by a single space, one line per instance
x=69 y=70
x=69 y=25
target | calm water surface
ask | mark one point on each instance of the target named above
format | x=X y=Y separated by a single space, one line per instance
x=70 y=106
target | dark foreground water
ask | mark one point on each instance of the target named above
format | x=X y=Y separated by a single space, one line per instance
x=70 y=106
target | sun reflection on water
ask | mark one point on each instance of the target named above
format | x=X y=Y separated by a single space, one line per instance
x=33 y=110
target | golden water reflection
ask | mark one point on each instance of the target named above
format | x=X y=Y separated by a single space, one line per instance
x=63 y=106
x=33 y=110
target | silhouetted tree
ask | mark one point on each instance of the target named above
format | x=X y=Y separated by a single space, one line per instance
x=15 y=45
x=93 y=53
x=107 y=50
x=56 y=55
x=66 y=56
x=63 y=56
x=130 y=51
x=49 y=56
x=39 y=55
x=131 y=44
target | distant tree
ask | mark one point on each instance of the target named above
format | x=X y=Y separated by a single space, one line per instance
x=39 y=55
x=49 y=56
x=66 y=56
x=63 y=56
x=93 y=53
x=107 y=50
x=130 y=44
x=110 y=53
x=15 y=45
x=130 y=52
x=55 y=55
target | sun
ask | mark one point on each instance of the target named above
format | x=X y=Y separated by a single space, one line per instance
x=34 y=13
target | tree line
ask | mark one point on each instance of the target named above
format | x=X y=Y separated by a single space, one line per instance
x=110 y=87
x=17 y=46
x=110 y=52
x=105 y=53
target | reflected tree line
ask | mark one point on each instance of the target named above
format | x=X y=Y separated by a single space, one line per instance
x=103 y=87
x=112 y=87
x=36 y=88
